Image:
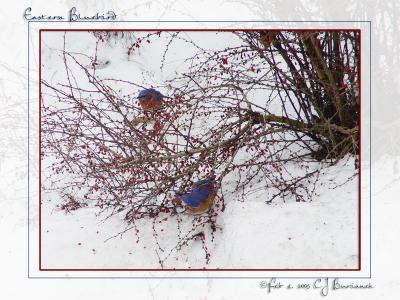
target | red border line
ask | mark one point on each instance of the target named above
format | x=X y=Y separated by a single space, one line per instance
x=198 y=30
x=40 y=149
x=195 y=30
x=221 y=270
x=359 y=152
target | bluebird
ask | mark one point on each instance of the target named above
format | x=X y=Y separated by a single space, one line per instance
x=150 y=99
x=200 y=199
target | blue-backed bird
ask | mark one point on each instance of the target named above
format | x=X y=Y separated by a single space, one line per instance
x=200 y=199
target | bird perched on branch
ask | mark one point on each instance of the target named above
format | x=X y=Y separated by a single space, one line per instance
x=200 y=199
x=150 y=99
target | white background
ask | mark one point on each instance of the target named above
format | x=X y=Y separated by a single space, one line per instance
x=15 y=283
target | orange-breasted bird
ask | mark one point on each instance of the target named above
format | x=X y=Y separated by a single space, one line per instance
x=150 y=99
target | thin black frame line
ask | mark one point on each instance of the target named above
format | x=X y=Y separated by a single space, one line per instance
x=29 y=263
x=195 y=277
x=370 y=154
x=208 y=21
x=28 y=74
x=370 y=149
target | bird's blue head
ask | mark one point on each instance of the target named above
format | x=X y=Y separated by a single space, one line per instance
x=148 y=94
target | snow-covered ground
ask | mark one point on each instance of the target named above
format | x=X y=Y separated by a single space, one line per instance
x=318 y=234
x=322 y=234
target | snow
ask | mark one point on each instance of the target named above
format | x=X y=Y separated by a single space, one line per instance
x=307 y=235
x=250 y=234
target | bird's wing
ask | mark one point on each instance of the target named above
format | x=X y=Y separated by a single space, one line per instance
x=194 y=198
